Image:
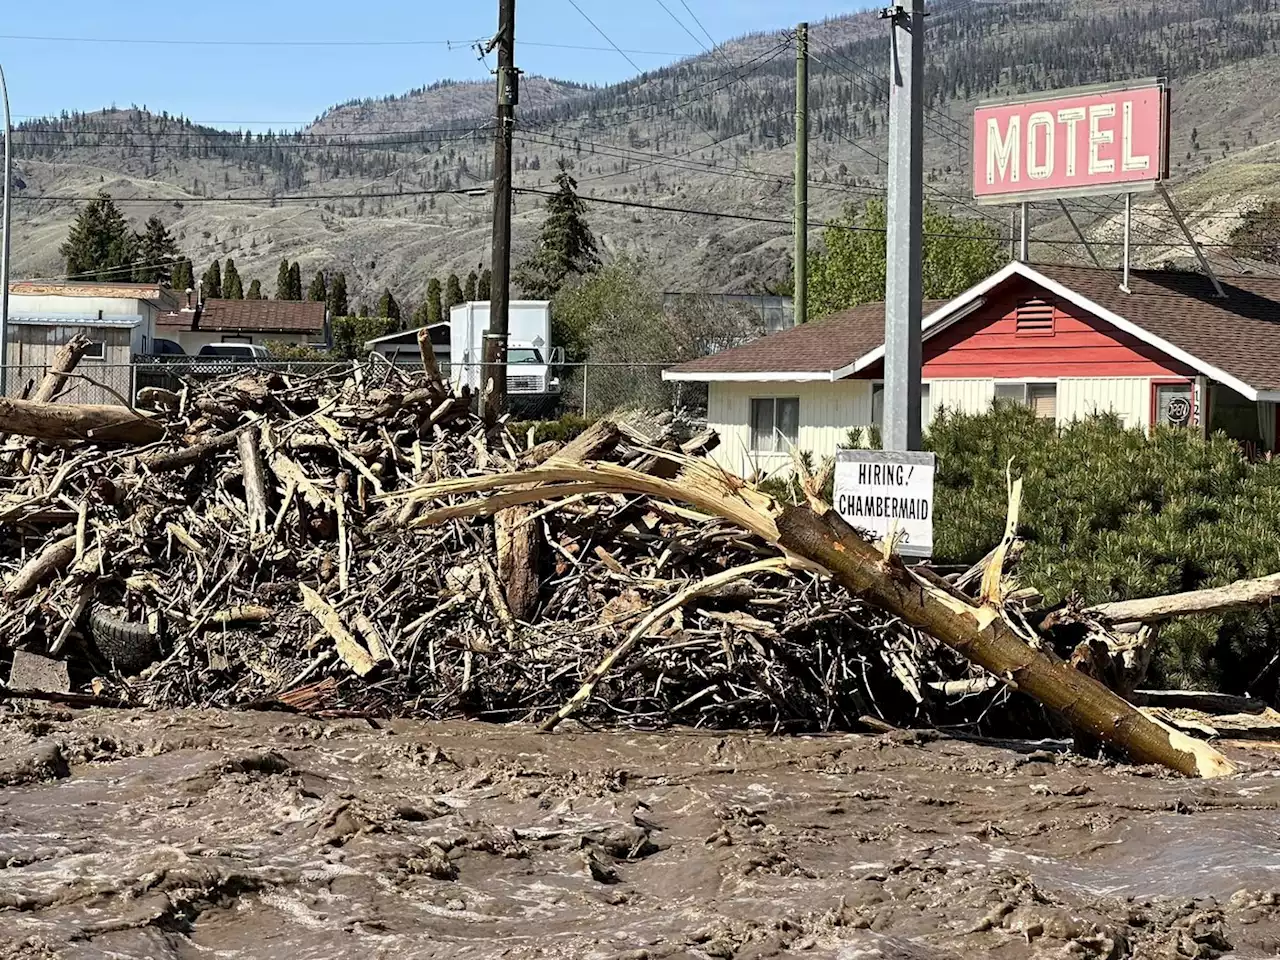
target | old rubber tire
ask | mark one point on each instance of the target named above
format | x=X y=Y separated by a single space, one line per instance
x=129 y=646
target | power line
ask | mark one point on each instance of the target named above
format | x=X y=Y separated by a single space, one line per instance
x=291 y=198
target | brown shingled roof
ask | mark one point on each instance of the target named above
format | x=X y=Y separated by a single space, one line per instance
x=262 y=316
x=816 y=347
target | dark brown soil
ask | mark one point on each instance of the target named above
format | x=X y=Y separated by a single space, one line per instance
x=218 y=835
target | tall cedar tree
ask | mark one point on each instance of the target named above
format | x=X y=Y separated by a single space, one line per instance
x=338 y=305
x=420 y=314
x=484 y=285
x=157 y=254
x=387 y=306
x=211 y=282
x=318 y=292
x=184 y=275
x=232 y=285
x=282 y=281
x=469 y=288
x=434 y=307
x=452 y=293
x=255 y=291
x=566 y=246
x=100 y=245
x=295 y=281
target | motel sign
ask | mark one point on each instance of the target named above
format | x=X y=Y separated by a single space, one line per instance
x=1109 y=140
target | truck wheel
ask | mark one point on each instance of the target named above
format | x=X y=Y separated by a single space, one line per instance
x=127 y=645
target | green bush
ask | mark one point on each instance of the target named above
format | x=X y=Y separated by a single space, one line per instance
x=562 y=430
x=1109 y=514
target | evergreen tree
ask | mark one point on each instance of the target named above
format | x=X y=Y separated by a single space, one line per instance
x=338 y=305
x=452 y=293
x=362 y=309
x=435 y=312
x=566 y=246
x=483 y=286
x=469 y=288
x=184 y=275
x=100 y=245
x=157 y=254
x=211 y=282
x=282 y=281
x=318 y=292
x=387 y=306
x=295 y=281
x=232 y=285
x=255 y=291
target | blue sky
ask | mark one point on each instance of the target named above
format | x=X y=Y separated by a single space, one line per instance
x=279 y=86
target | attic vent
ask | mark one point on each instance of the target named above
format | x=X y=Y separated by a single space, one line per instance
x=1034 y=318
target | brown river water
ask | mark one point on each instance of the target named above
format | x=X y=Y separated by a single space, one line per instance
x=231 y=836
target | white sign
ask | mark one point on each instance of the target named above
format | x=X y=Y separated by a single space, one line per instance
x=880 y=490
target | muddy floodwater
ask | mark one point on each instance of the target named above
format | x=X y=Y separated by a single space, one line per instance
x=239 y=835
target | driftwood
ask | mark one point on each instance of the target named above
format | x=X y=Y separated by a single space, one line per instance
x=53 y=558
x=1234 y=596
x=66 y=421
x=823 y=539
x=255 y=481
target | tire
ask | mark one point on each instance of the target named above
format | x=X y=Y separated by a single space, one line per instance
x=129 y=646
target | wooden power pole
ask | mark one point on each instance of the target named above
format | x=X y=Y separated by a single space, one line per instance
x=495 y=342
x=801 y=292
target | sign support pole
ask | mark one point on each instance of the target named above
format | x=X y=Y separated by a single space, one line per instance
x=1186 y=232
x=802 y=175
x=494 y=367
x=903 y=240
x=1066 y=212
x=1024 y=246
x=1128 y=228
x=4 y=240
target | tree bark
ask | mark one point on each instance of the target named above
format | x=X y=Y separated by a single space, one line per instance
x=518 y=542
x=82 y=421
x=64 y=361
x=980 y=634
x=160 y=461
x=1233 y=596
x=53 y=558
x=255 y=481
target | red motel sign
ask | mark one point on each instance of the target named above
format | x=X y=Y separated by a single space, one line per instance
x=1111 y=140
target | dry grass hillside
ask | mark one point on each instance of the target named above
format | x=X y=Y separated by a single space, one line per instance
x=393 y=191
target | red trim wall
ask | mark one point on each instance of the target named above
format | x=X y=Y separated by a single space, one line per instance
x=986 y=345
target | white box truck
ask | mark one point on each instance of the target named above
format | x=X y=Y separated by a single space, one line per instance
x=531 y=358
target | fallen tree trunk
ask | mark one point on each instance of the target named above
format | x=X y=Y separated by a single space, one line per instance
x=78 y=421
x=65 y=359
x=1233 y=596
x=825 y=541
x=255 y=481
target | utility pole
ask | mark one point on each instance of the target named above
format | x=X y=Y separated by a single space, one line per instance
x=905 y=208
x=802 y=175
x=4 y=240
x=495 y=340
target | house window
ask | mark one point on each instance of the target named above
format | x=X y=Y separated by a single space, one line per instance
x=97 y=350
x=775 y=424
x=877 y=405
x=1173 y=404
x=1042 y=398
x=1033 y=318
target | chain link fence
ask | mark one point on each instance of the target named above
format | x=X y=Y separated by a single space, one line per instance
x=587 y=389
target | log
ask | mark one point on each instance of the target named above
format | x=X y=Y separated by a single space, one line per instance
x=77 y=421
x=592 y=443
x=981 y=635
x=1233 y=596
x=1205 y=701
x=353 y=655
x=161 y=461
x=64 y=361
x=53 y=558
x=255 y=481
x=428 y=354
x=518 y=542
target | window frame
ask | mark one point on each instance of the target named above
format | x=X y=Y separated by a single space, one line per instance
x=926 y=403
x=1025 y=383
x=100 y=355
x=1156 y=384
x=774 y=433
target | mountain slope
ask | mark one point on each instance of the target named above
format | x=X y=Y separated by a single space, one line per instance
x=711 y=133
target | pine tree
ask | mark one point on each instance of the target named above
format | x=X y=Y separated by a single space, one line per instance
x=100 y=245
x=318 y=291
x=566 y=246
x=282 y=281
x=295 y=281
x=338 y=305
x=184 y=275
x=469 y=288
x=483 y=287
x=211 y=282
x=387 y=306
x=452 y=293
x=435 y=312
x=232 y=285
x=255 y=291
x=157 y=254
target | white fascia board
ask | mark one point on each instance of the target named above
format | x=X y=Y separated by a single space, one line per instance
x=71 y=320
x=751 y=377
x=1268 y=396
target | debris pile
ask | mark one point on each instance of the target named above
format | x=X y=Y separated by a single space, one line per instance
x=263 y=551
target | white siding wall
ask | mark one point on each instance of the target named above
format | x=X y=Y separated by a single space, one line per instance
x=827 y=412
x=961 y=396
x=192 y=341
x=1130 y=397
